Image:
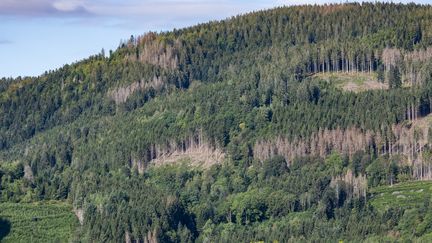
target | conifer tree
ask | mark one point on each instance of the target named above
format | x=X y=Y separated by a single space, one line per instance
x=394 y=77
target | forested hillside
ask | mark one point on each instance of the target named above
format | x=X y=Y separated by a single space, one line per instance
x=288 y=124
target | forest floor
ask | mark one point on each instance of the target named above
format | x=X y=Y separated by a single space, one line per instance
x=37 y=222
x=354 y=82
x=402 y=195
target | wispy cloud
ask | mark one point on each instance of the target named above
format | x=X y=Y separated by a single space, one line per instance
x=5 y=42
x=121 y=8
x=54 y=8
x=177 y=8
x=43 y=8
x=170 y=13
x=130 y=14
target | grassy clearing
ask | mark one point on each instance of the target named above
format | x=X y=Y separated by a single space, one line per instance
x=404 y=195
x=355 y=82
x=37 y=222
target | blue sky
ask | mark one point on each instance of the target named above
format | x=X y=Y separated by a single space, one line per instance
x=40 y=35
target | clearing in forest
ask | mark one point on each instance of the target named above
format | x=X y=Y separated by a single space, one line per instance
x=353 y=81
x=37 y=222
x=403 y=195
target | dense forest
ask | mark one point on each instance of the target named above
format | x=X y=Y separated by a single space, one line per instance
x=228 y=132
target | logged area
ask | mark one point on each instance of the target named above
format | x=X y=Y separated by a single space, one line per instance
x=403 y=195
x=354 y=82
x=37 y=222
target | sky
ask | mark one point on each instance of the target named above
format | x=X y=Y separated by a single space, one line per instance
x=42 y=35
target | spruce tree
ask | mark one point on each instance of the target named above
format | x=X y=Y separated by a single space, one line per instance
x=394 y=77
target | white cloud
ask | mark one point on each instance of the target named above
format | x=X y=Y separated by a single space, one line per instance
x=41 y=7
x=68 y=5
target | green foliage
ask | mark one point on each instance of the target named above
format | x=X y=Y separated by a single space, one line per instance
x=394 y=77
x=335 y=163
x=275 y=166
x=376 y=173
x=37 y=222
x=403 y=195
x=225 y=85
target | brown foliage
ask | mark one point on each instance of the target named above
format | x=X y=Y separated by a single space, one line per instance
x=194 y=149
x=121 y=94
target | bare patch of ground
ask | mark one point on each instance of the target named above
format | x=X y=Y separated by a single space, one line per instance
x=203 y=155
x=367 y=85
x=353 y=81
x=195 y=153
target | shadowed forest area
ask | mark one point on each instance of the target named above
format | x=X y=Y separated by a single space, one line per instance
x=4 y=228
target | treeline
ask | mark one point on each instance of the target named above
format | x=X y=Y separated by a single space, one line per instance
x=336 y=36
x=89 y=132
x=306 y=39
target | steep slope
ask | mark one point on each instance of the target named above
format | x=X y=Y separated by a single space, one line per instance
x=244 y=97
